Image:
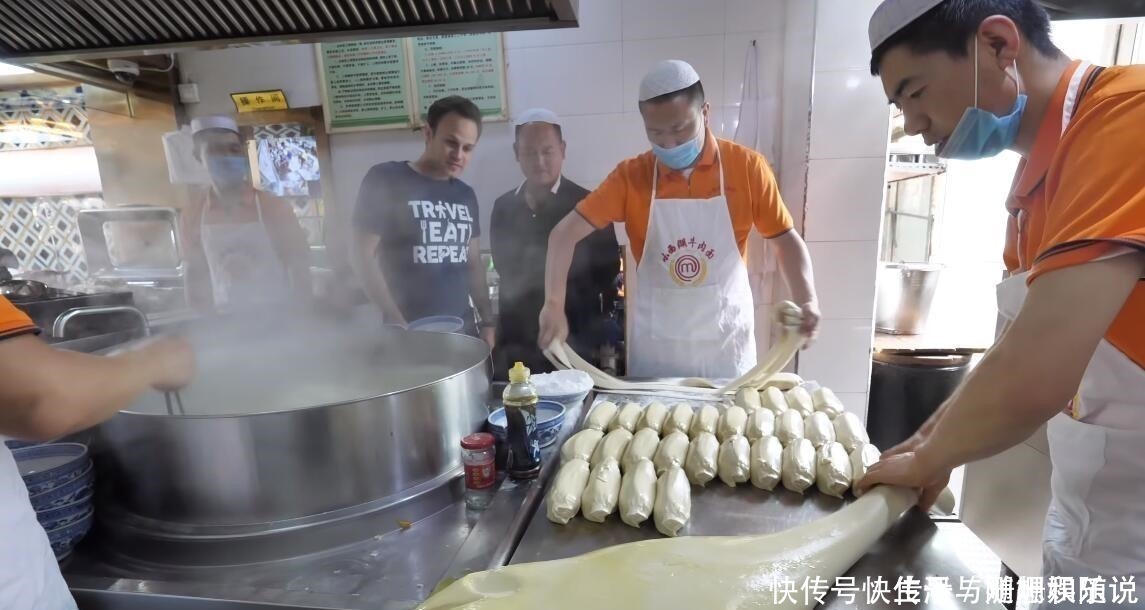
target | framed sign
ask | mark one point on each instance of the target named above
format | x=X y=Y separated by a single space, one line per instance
x=470 y=65
x=365 y=84
x=260 y=101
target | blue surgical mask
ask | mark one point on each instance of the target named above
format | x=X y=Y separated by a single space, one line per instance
x=681 y=156
x=229 y=172
x=980 y=133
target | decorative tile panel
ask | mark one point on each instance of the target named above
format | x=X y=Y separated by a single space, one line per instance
x=44 y=234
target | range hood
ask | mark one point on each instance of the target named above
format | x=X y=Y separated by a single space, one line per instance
x=1094 y=9
x=34 y=31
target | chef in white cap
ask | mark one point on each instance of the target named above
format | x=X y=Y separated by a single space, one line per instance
x=688 y=206
x=245 y=249
x=519 y=236
x=975 y=77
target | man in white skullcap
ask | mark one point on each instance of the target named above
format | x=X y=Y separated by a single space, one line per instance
x=519 y=235
x=688 y=206
x=975 y=77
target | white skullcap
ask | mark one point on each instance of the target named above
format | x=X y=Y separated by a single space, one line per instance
x=213 y=122
x=668 y=76
x=894 y=15
x=537 y=115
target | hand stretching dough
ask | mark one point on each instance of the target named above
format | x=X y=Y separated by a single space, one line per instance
x=735 y=461
x=826 y=401
x=680 y=420
x=673 y=506
x=601 y=416
x=602 y=492
x=705 y=420
x=800 y=400
x=850 y=431
x=798 y=465
x=701 y=465
x=627 y=418
x=732 y=423
x=671 y=452
x=833 y=469
x=766 y=462
x=789 y=427
x=638 y=493
x=748 y=398
x=773 y=400
x=564 y=497
x=653 y=418
x=760 y=423
x=581 y=445
x=611 y=447
x=642 y=447
x=818 y=429
x=862 y=458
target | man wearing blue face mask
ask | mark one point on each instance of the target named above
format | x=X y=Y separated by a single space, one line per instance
x=689 y=206
x=244 y=249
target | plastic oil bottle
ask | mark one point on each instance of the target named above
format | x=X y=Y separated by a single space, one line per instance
x=520 y=398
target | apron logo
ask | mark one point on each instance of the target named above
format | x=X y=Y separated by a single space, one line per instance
x=687 y=260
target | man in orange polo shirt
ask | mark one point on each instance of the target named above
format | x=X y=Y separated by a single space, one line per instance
x=47 y=393
x=975 y=77
x=688 y=206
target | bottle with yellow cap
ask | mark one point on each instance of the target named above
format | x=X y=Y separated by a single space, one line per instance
x=520 y=398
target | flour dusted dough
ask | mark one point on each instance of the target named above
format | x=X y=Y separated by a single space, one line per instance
x=611 y=447
x=735 y=461
x=862 y=458
x=833 y=469
x=701 y=465
x=705 y=420
x=627 y=418
x=642 y=447
x=602 y=491
x=826 y=401
x=581 y=445
x=800 y=400
x=638 y=493
x=673 y=506
x=773 y=400
x=564 y=497
x=783 y=381
x=732 y=423
x=789 y=427
x=818 y=429
x=672 y=451
x=760 y=423
x=766 y=462
x=748 y=398
x=850 y=431
x=653 y=418
x=601 y=416
x=798 y=465
x=680 y=420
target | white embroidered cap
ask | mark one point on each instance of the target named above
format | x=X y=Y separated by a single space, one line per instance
x=667 y=76
x=894 y=15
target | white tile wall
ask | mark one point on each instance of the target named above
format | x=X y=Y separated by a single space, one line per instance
x=705 y=53
x=840 y=45
x=850 y=116
x=581 y=79
x=845 y=277
x=840 y=358
x=755 y=15
x=599 y=22
x=845 y=199
x=644 y=19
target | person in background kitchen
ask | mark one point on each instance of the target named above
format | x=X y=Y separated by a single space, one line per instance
x=975 y=77
x=688 y=205
x=416 y=227
x=244 y=249
x=519 y=236
x=45 y=394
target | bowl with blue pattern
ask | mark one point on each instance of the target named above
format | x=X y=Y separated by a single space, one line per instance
x=65 y=537
x=65 y=493
x=66 y=514
x=550 y=418
x=45 y=467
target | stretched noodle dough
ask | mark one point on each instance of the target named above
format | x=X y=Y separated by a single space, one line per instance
x=748 y=398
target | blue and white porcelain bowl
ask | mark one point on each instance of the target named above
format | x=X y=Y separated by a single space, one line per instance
x=66 y=493
x=65 y=538
x=45 y=467
x=550 y=418
x=66 y=514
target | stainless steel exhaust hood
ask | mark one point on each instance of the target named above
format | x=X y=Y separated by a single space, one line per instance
x=1094 y=9
x=33 y=31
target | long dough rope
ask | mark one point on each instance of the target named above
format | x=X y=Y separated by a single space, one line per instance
x=786 y=313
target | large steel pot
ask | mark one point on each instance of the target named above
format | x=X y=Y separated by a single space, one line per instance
x=905 y=292
x=288 y=428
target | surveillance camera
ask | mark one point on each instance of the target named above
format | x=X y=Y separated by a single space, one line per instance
x=125 y=71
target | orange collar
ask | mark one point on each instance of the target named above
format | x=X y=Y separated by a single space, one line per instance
x=1034 y=167
x=707 y=156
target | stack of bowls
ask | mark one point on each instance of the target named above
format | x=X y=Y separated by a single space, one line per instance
x=60 y=481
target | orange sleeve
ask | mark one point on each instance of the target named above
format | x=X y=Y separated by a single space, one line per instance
x=13 y=321
x=1095 y=195
x=607 y=202
x=769 y=213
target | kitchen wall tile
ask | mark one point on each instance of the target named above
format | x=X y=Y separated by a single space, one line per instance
x=766 y=108
x=845 y=199
x=795 y=106
x=599 y=22
x=754 y=15
x=585 y=158
x=840 y=358
x=705 y=53
x=845 y=277
x=581 y=79
x=643 y=19
x=839 y=44
x=850 y=116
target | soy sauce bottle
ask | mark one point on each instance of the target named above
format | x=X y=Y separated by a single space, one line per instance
x=520 y=398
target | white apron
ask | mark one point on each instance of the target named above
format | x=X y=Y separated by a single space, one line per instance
x=694 y=315
x=245 y=268
x=1095 y=525
x=30 y=578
